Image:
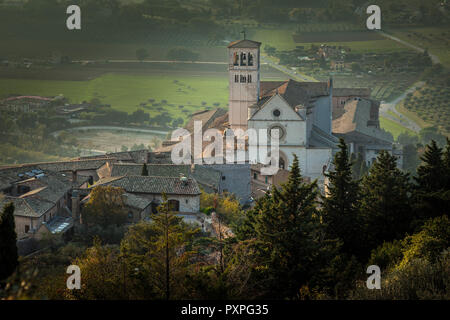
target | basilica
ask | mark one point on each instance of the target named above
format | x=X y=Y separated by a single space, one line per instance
x=301 y=111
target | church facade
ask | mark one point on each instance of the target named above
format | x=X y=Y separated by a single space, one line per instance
x=301 y=111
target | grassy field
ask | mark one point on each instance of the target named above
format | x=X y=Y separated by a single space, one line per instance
x=126 y=92
x=283 y=39
x=393 y=127
x=436 y=40
x=31 y=48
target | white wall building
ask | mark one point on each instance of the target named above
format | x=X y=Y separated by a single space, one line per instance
x=301 y=111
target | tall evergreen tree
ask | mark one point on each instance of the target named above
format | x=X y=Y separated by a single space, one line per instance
x=430 y=172
x=385 y=204
x=288 y=236
x=8 y=245
x=446 y=162
x=144 y=170
x=340 y=204
x=431 y=193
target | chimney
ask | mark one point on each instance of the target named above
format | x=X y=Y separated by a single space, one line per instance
x=75 y=204
x=183 y=180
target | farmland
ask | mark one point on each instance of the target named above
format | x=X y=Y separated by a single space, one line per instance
x=394 y=127
x=435 y=40
x=283 y=39
x=175 y=89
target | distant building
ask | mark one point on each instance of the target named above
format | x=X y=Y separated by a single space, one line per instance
x=24 y=103
x=359 y=126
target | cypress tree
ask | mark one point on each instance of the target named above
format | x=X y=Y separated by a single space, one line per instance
x=144 y=170
x=340 y=205
x=385 y=204
x=8 y=245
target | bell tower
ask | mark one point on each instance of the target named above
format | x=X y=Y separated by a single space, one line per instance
x=243 y=73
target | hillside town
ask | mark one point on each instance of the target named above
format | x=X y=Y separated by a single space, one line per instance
x=311 y=116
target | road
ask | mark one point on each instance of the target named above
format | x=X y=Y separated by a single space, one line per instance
x=401 y=118
x=285 y=70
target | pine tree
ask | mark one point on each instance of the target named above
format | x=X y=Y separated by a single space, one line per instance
x=8 y=239
x=446 y=162
x=288 y=236
x=430 y=172
x=385 y=204
x=340 y=204
x=144 y=170
x=431 y=194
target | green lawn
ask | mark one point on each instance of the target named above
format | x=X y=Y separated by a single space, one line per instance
x=394 y=127
x=126 y=91
x=282 y=40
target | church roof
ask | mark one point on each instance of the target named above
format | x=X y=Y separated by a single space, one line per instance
x=356 y=118
x=244 y=44
x=294 y=92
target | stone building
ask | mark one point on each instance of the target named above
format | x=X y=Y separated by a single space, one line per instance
x=183 y=193
x=360 y=127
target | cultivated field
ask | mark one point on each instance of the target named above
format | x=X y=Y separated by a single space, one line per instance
x=286 y=39
x=436 y=40
x=178 y=89
x=394 y=127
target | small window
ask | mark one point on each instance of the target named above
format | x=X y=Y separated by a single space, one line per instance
x=249 y=78
x=266 y=179
x=276 y=113
x=250 y=59
x=187 y=201
x=243 y=79
x=255 y=176
x=223 y=177
x=236 y=78
x=27 y=228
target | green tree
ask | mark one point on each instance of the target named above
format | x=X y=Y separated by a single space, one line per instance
x=288 y=237
x=160 y=253
x=340 y=204
x=432 y=196
x=8 y=239
x=385 y=203
x=144 y=170
x=105 y=207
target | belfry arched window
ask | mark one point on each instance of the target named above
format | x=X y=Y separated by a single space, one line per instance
x=243 y=59
x=250 y=59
